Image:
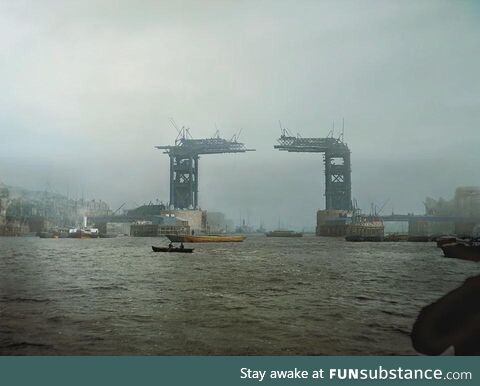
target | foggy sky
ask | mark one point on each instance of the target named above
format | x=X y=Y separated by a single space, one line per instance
x=87 y=89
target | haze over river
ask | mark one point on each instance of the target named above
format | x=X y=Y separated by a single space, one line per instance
x=309 y=295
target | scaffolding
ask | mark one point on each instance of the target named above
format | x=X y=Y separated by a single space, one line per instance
x=184 y=160
x=336 y=157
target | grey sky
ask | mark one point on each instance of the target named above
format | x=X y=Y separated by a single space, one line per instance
x=87 y=89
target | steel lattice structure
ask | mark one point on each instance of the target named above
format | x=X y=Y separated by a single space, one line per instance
x=338 y=185
x=184 y=159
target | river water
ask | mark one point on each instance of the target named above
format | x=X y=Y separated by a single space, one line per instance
x=265 y=296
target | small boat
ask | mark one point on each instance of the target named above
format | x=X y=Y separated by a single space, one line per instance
x=462 y=250
x=178 y=250
x=283 y=233
x=205 y=239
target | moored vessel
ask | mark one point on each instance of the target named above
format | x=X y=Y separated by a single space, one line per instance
x=365 y=228
x=443 y=240
x=462 y=250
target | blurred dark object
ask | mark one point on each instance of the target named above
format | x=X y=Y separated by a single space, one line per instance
x=443 y=240
x=453 y=320
x=461 y=249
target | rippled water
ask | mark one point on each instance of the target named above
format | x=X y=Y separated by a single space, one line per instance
x=263 y=296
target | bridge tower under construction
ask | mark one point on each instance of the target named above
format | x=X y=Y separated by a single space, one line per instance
x=336 y=157
x=184 y=164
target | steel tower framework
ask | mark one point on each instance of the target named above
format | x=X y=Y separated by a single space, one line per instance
x=184 y=159
x=338 y=185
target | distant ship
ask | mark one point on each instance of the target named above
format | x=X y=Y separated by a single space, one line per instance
x=83 y=233
x=205 y=238
x=365 y=228
x=283 y=233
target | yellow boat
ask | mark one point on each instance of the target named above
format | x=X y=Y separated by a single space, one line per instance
x=205 y=239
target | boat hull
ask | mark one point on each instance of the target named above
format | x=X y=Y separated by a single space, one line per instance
x=170 y=250
x=452 y=240
x=205 y=239
x=462 y=251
